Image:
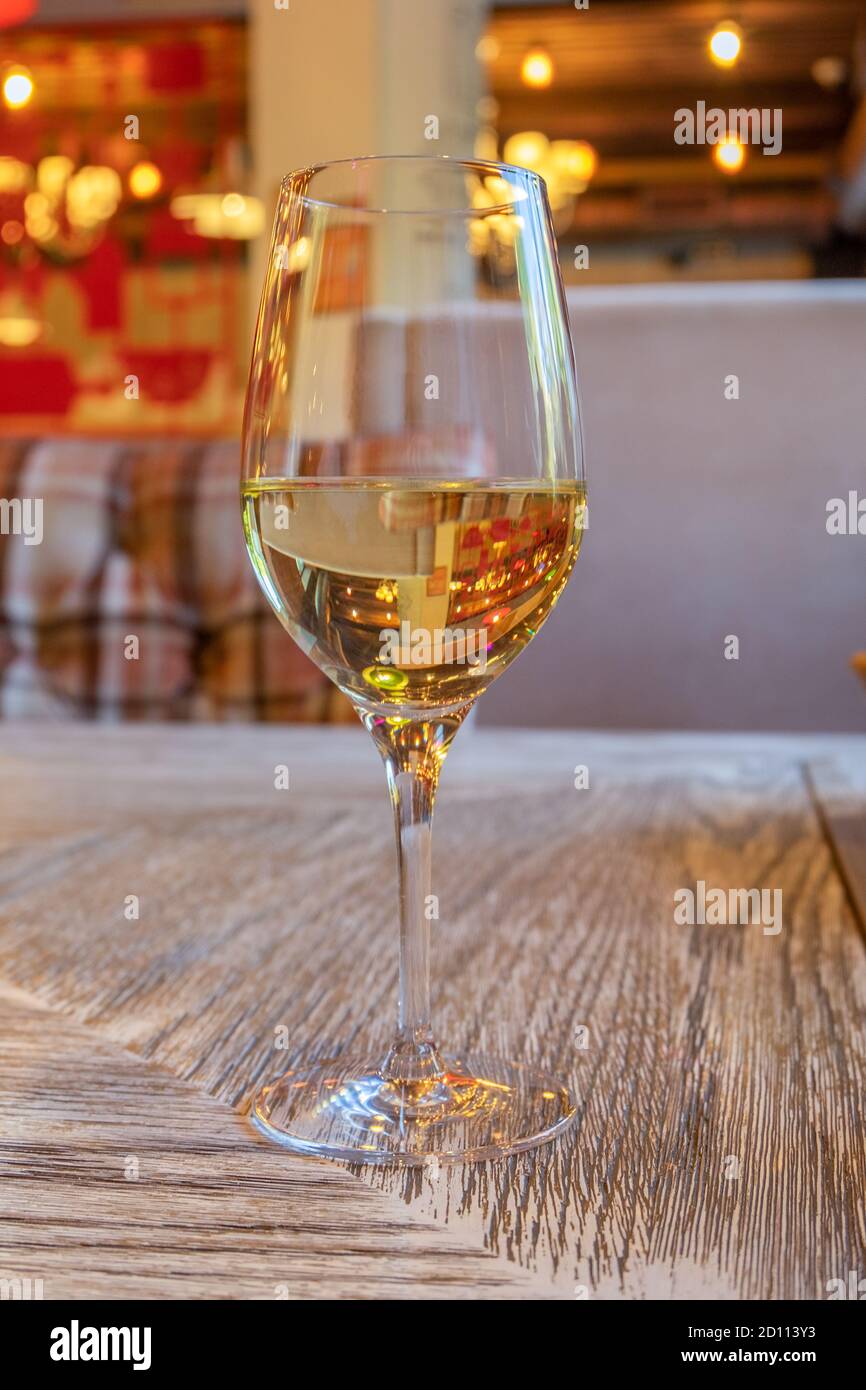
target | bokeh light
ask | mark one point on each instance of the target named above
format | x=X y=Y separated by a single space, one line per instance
x=725 y=45
x=145 y=179
x=537 y=68
x=18 y=88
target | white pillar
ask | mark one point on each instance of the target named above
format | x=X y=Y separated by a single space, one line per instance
x=331 y=79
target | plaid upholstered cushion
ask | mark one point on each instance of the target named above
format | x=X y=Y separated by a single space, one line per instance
x=140 y=539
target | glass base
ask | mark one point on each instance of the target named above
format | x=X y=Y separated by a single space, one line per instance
x=477 y=1108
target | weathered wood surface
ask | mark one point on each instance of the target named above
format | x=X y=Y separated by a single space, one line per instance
x=120 y=1181
x=839 y=790
x=719 y=1151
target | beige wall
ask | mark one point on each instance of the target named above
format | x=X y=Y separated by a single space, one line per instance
x=707 y=516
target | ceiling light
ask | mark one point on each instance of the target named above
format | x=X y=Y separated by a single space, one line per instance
x=528 y=149
x=730 y=154
x=725 y=44
x=574 y=163
x=537 y=68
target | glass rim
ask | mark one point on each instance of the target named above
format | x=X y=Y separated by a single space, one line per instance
x=486 y=167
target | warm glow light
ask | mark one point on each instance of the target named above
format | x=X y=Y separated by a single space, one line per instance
x=227 y=215
x=92 y=195
x=42 y=229
x=725 y=45
x=565 y=165
x=537 y=68
x=15 y=176
x=295 y=258
x=52 y=175
x=504 y=226
x=41 y=226
x=17 y=88
x=500 y=191
x=573 y=163
x=729 y=154
x=11 y=232
x=528 y=149
x=18 y=325
x=19 y=332
x=145 y=180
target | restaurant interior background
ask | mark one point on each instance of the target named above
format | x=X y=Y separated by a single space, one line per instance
x=716 y=294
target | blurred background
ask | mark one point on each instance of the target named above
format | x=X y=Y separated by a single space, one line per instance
x=140 y=152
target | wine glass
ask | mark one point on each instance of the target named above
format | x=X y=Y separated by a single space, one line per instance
x=413 y=504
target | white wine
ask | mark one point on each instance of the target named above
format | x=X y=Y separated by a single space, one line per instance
x=412 y=596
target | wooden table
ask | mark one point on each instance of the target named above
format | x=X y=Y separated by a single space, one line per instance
x=719 y=1150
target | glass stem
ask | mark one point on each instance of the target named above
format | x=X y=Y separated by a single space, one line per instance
x=413 y=1053
x=413 y=752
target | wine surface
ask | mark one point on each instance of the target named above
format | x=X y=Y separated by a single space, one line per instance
x=412 y=596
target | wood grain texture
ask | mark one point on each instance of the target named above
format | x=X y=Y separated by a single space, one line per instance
x=839 y=793
x=719 y=1149
x=119 y=1181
